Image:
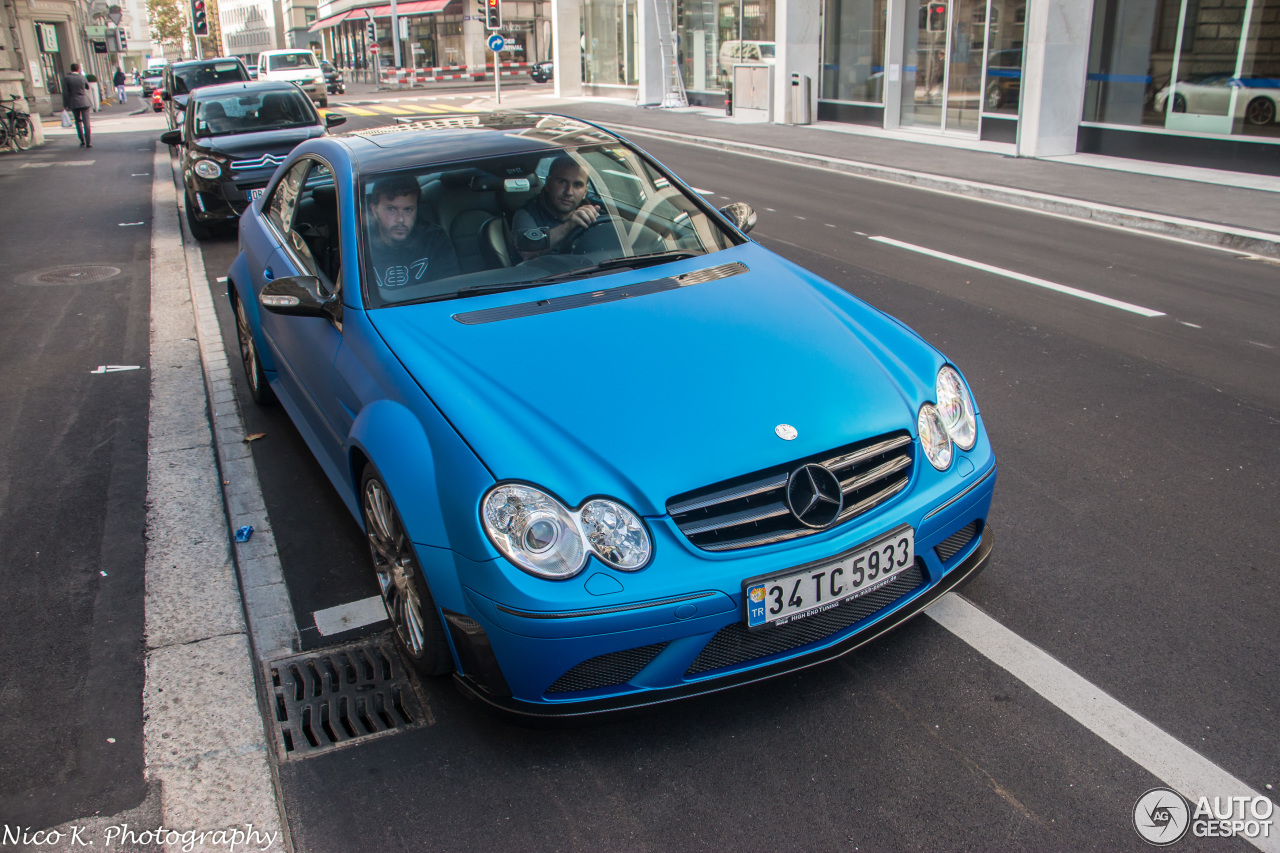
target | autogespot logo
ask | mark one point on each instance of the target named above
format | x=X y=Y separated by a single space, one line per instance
x=1161 y=816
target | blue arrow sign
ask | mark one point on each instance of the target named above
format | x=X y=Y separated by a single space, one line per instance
x=497 y=42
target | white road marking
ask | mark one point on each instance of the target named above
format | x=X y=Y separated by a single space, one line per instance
x=1192 y=325
x=347 y=617
x=127 y=224
x=222 y=280
x=1264 y=346
x=1026 y=279
x=1156 y=751
x=115 y=368
x=702 y=192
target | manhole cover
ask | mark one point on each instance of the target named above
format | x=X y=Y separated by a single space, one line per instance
x=83 y=274
x=329 y=698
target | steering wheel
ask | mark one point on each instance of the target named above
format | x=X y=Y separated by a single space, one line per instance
x=593 y=237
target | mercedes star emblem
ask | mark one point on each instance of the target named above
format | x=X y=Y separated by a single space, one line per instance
x=786 y=432
x=814 y=496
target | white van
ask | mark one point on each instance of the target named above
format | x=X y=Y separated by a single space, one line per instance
x=294 y=66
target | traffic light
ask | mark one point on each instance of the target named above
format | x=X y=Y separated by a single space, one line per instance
x=937 y=17
x=493 y=15
x=199 y=20
x=122 y=39
x=370 y=32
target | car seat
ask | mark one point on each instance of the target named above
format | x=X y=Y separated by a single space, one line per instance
x=215 y=117
x=466 y=207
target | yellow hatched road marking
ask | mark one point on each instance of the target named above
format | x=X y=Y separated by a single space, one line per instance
x=356 y=111
x=393 y=110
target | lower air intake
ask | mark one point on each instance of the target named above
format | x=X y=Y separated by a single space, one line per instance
x=607 y=670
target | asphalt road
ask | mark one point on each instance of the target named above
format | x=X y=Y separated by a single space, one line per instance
x=1136 y=520
x=73 y=476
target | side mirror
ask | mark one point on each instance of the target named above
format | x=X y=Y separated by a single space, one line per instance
x=165 y=96
x=740 y=214
x=333 y=120
x=297 y=296
x=171 y=137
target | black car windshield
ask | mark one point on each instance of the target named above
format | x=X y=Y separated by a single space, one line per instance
x=517 y=221
x=249 y=112
x=187 y=79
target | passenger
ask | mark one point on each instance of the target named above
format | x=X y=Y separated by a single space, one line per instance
x=559 y=208
x=403 y=255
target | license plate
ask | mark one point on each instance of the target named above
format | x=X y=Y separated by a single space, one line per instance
x=254 y=195
x=796 y=594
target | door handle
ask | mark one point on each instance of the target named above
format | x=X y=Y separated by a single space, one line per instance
x=268 y=275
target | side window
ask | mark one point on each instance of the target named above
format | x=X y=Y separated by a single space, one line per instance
x=285 y=198
x=313 y=235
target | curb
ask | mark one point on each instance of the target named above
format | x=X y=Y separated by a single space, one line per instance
x=1207 y=233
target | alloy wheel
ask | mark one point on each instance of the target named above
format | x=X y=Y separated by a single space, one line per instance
x=398 y=576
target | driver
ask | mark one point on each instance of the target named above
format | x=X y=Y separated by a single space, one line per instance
x=401 y=254
x=559 y=208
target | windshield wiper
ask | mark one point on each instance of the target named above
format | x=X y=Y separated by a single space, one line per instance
x=633 y=262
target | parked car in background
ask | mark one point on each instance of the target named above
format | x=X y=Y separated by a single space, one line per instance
x=182 y=78
x=332 y=78
x=651 y=461
x=253 y=72
x=294 y=66
x=1257 y=98
x=542 y=72
x=152 y=79
x=232 y=139
x=157 y=100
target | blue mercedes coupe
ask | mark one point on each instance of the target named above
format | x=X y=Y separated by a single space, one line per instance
x=607 y=450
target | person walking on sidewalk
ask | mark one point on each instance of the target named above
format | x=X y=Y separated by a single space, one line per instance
x=75 y=97
x=119 y=84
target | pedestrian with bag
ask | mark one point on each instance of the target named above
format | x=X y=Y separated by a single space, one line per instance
x=76 y=99
x=118 y=80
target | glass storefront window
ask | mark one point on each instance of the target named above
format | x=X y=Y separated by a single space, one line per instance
x=611 y=42
x=853 y=51
x=1004 y=56
x=1210 y=66
x=713 y=36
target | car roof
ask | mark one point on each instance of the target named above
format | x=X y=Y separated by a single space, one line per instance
x=194 y=63
x=240 y=86
x=465 y=137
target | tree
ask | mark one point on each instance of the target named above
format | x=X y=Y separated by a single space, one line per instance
x=168 y=21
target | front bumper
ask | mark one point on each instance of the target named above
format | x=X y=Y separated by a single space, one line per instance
x=695 y=644
x=224 y=200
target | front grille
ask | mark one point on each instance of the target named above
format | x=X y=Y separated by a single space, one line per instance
x=607 y=670
x=752 y=509
x=956 y=542
x=734 y=644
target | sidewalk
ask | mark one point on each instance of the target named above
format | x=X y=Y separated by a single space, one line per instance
x=1234 y=210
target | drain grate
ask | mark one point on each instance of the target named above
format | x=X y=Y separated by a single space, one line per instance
x=325 y=699
x=83 y=274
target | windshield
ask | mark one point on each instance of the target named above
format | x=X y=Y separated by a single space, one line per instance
x=186 y=79
x=516 y=221
x=250 y=112
x=288 y=61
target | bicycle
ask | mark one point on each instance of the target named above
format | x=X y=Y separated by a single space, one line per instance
x=15 y=127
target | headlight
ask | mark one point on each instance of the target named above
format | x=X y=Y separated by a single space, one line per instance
x=208 y=169
x=540 y=535
x=615 y=534
x=933 y=437
x=955 y=405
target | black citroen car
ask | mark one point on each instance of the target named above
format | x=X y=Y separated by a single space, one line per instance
x=232 y=139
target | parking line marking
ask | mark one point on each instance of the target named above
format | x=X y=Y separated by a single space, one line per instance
x=348 y=617
x=1152 y=748
x=1026 y=279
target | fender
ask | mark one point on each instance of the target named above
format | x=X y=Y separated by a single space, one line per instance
x=238 y=273
x=393 y=439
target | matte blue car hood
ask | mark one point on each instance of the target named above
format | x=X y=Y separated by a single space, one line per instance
x=645 y=398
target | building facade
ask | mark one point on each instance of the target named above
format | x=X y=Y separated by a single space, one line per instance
x=248 y=28
x=1194 y=82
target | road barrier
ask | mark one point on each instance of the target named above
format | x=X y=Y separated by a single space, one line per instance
x=411 y=77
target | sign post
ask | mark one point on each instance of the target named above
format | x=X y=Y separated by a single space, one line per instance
x=496 y=44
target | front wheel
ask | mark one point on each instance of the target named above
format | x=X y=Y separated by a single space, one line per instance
x=259 y=388
x=198 y=229
x=1260 y=111
x=22 y=132
x=404 y=589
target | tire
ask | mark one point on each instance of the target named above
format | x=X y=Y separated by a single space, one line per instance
x=324 y=102
x=4 y=136
x=1260 y=111
x=198 y=229
x=22 y=133
x=1179 y=104
x=259 y=387
x=400 y=581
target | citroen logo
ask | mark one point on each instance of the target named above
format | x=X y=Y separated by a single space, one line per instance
x=814 y=496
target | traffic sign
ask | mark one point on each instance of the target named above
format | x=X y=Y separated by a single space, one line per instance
x=373 y=48
x=497 y=42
